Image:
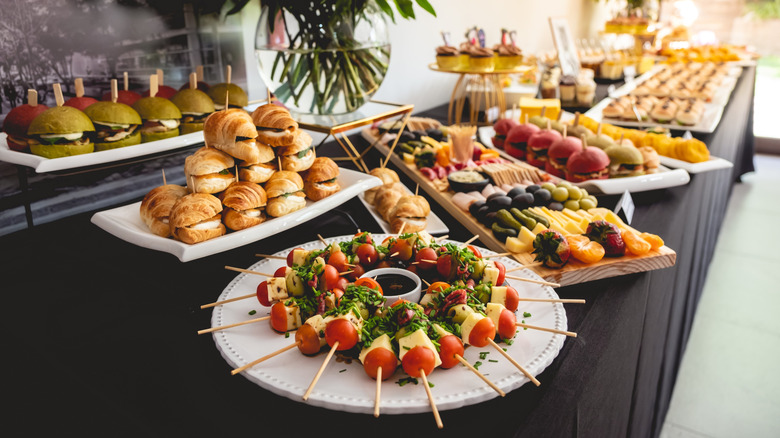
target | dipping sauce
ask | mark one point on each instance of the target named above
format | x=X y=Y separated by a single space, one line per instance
x=394 y=284
x=467 y=176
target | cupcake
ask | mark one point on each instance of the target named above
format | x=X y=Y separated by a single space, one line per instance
x=481 y=59
x=567 y=88
x=447 y=57
x=586 y=91
x=509 y=56
x=464 y=55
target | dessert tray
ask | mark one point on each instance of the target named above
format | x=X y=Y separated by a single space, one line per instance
x=665 y=178
x=43 y=165
x=346 y=387
x=125 y=222
x=713 y=111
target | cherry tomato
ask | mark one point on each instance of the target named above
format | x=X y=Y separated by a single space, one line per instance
x=341 y=331
x=309 y=340
x=262 y=294
x=338 y=260
x=367 y=254
x=450 y=346
x=482 y=332
x=330 y=276
x=369 y=283
x=279 y=317
x=380 y=358
x=512 y=299
x=357 y=272
x=401 y=250
x=506 y=324
x=388 y=240
x=419 y=359
x=290 y=257
x=444 y=266
x=398 y=302
x=426 y=258
x=342 y=284
x=413 y=269
x=501 y=273
x=367 y=236
x=338 y=292
x=437 y=286
x=281 y=272
x=476 y=251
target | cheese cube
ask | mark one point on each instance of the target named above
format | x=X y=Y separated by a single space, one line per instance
x=293 y=317
x=418 y=338
x=427 y=298
x=490 y=275
x=494 y=312
x=380 y=342
x=441 y=331
x=299 y=257
x=498 y=295
x=277 y=289
x=468 y=325
x=318 y=323
x=538 y=229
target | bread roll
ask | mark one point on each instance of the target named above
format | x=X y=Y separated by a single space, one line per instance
x=156 y=208
x=244 y=203
x=320 y=180
x=275 y=126
x=196 y=217
x=291 y=159
x=208 y=170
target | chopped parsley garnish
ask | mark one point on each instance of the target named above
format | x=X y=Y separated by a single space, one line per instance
x=405 y=380
x=526 y=315
x=477 y=365
x=252 y=312
x=483 y=354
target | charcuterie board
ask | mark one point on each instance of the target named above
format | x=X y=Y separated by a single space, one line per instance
x=572 y=273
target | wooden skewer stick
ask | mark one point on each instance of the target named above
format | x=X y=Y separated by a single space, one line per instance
x=268 y=94
x=439 y=424
x=441 y=237
x=264 y=358
x=223 y=327
x=199 y=72
x=473 y=238
x=32 y=97
x=545 y=329
x=79 y=85
x=502 y=254
x=58 y=94
x=553 y=300
x=229 y=71
x=217 y=303
x=378 y=391
x=319 y=372
x=160 y=77
x=416 y=189
x=401 y=230
x=127 y=81
x=193 y=81
x=424 y=281
x=530 y=265
x=514 y=362
x=322 y=240
x=345 y=273
x=153 y=85
x=114 y=91
x=247 y=271
x=530 y=280
x=481 y=376
x=269 y=256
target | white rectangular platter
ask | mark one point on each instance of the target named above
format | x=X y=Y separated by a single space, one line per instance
x=125 y=222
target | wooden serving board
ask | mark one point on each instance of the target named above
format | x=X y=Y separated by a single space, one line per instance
x=573 y=272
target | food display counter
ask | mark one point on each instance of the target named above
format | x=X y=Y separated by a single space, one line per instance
x=101 y=335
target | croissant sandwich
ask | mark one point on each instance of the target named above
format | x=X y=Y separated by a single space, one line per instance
x=321 y=179
x=285 y=193
x=233 y=132
x=386 y=198
x=275 y=126
x=156 y=208
x=208 y=170
x=411 y=213
x=260 y=170
x=244 y=203
x=388 y=176
x=196 y=217
x=298 y=156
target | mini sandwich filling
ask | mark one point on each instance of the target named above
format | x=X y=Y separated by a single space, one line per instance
x=622 y=169
x=273 y=132
x=73 y=138
x=161 y=125
x=263 y=169
x=107 y=132
x=194 y=117
x=208 y=224
x=592 y=175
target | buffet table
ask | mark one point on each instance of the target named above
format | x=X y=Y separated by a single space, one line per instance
x=101 y=336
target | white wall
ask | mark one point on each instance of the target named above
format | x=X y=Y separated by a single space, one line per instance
x=409 y=80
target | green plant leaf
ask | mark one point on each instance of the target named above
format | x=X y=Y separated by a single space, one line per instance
x=427 y=6
x=405 y=7
x=386 y=9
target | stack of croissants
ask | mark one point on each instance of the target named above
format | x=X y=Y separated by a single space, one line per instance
x=252 y=165
x=403 y=211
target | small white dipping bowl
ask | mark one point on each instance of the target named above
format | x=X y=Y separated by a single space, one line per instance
x=414 y=295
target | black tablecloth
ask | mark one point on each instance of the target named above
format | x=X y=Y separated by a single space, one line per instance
x=100 y=335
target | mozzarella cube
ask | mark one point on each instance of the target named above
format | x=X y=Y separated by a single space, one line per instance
x=418 y=338
x=299 y=257
x=293 y=317
x=494 y=312
x=277 y=289
x=498 y=295
x=380 y=342
x=468 y=325
x=490 y=275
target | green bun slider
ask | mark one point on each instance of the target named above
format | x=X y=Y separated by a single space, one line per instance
x=61 y=131
x=624 y=160
x=160 y=116
x=237 y=97
x=116 y=125
x=195 y=106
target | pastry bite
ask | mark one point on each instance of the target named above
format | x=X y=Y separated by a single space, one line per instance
x=409 y=213
x=388 y=176
x=650 y=159
x=386 y=198
x=299 y=155
x=285 y=193
x=664 y=111
x=321 y=180
x=60 y=131
x=447 y=58
x=233 y=132
x=260 y=170
x=156 y=208
x=208 y=170
x=244 y=204
x=196 y=217
x=481 y=59
x=275 y=126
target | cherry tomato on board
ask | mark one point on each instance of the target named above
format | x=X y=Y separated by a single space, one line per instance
x=401 y=250
x=512 y=299
x=482 y=333
x=419 y=359
x=357 y=272
x=380 y=358
x=309 y=340
x=330 y=276
x=342 y=284
x=450 y=346
x=437 y=286
x=361 y=235
x=281 y=272
x=338 y=293
x=341 y=331
x=338 y=260
x=279 y=317
x=444 y=265
x=262 y=294
x=426 y=258
x=369 y=283
x=475 y=250
x=507 y=324
x=501 y=273
x=367 y=254
x=290 y=256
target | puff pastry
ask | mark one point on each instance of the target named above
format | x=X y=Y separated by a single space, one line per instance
x=196 y=217
x=321 y=180
x=233 y=132
x=156 y=208
x=208 y=170
x=275 y=126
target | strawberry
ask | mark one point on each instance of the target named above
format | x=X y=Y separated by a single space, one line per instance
x=608 y=235
x=551 y=248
